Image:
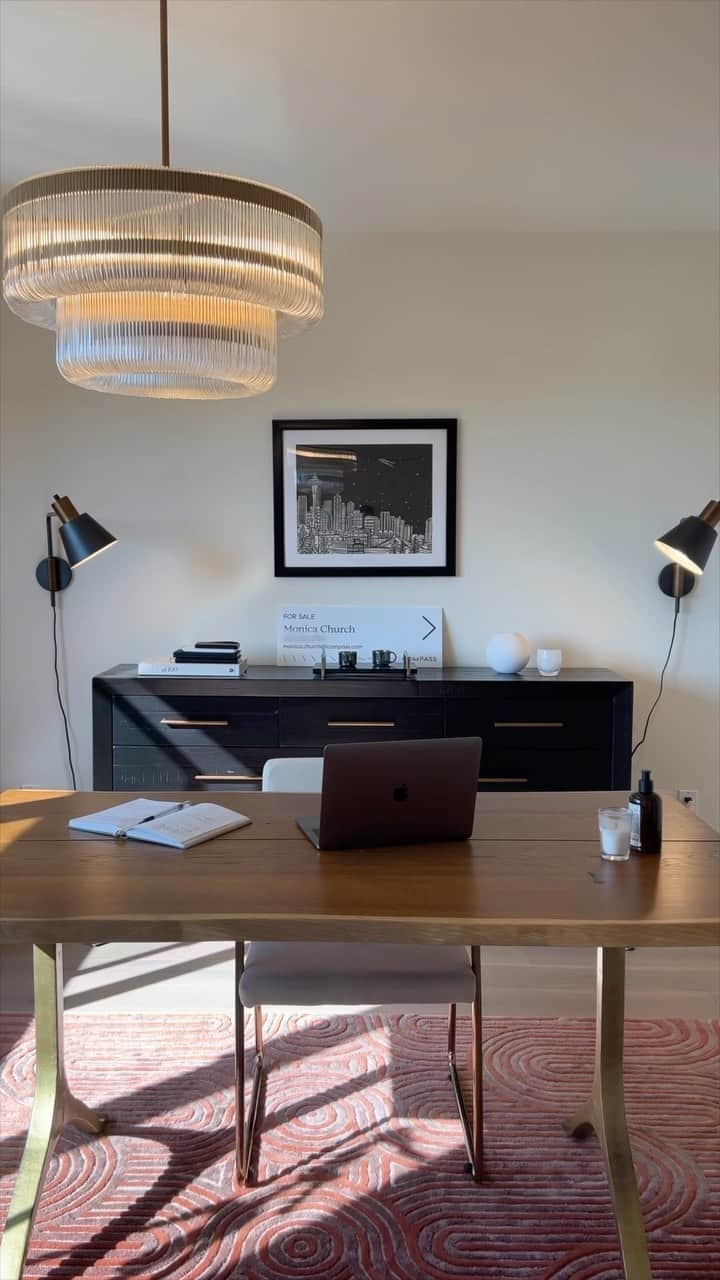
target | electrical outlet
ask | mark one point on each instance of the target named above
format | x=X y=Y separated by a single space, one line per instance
x=689 y=798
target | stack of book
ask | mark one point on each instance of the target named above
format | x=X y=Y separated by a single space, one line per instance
x=214 y=658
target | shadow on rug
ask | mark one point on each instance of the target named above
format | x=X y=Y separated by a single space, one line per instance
x=360 y=1162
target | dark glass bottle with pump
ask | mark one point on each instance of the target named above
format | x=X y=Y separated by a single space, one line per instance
x=646 y=815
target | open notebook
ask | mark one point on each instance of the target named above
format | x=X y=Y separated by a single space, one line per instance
x=162 y=822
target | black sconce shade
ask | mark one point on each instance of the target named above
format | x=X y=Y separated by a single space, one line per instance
x=690 y=542
x=83 y=537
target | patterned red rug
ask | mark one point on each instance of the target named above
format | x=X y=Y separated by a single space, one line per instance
x=360 y=1172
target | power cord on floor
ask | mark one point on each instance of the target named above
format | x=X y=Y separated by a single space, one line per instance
x=662 y=678
x=59 y=696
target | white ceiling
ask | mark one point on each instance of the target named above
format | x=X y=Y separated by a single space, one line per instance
x=388 y=115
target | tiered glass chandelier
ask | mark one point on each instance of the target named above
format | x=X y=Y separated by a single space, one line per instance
x=162 y=282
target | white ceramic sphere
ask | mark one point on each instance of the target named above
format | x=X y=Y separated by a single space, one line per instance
x=508 y=653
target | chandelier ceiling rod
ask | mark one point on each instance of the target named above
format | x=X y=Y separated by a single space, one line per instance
x=165 y=111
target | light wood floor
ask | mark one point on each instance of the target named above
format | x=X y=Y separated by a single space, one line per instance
x=517 y=981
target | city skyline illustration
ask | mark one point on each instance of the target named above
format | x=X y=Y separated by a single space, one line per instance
x=365 y=500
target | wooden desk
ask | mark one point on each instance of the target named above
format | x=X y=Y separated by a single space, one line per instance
x=531 y=874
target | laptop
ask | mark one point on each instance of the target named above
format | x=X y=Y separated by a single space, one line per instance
x=388 y=793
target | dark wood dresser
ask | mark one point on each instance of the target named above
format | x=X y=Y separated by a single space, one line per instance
x=566 y=733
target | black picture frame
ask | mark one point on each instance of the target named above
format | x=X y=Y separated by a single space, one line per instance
x=433 y=443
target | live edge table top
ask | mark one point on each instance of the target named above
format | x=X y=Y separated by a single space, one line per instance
x=530 y=874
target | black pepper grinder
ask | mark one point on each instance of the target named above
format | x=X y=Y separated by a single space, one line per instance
x=646 y=816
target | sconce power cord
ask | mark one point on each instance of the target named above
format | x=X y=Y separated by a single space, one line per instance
x=59 y=696
x=662 y=678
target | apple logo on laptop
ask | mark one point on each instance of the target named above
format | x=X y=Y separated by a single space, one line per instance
x=401 y=793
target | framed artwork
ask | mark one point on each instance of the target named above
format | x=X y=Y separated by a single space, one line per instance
x=365 y=497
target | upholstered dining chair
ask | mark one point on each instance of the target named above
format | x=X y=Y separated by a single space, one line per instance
x=305 y=974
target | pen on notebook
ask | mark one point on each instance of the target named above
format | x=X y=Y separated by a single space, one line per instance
x=151 y=818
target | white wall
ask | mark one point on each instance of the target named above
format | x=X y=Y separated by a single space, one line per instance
x=584 y=372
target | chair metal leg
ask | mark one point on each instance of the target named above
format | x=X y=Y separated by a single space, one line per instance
x=245 y=1126
x=457 y=1088
x=239 y=1014
x=53 y=1107
x=452 y=1021
x=477 y=1067
x=472 y=1131
x=254 y=1108
x=605 y=1113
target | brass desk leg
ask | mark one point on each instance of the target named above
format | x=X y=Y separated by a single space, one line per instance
x=605 y=1112
x=53 y=1107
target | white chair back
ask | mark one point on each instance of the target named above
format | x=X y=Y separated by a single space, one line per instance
x=303 y=773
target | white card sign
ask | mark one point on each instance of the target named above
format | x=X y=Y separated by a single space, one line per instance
x=304 y=631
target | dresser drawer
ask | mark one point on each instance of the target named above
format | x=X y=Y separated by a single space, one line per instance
x=167 y=769
x=505 y=768
x=317 y=722
x=195 y=722
x=544 y=721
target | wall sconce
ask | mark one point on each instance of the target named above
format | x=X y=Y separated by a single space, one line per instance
x=82 y=538
x=688 y=544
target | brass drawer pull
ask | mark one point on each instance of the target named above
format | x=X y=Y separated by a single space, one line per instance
x=483 y=779
x=196 y=724
x=528 y=724
x=361 y=724
x=228 y=777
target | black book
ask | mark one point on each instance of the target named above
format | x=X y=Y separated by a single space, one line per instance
x=217 y=644
x=206 y=655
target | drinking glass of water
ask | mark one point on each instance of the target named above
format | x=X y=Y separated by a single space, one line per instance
x=614 y=827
